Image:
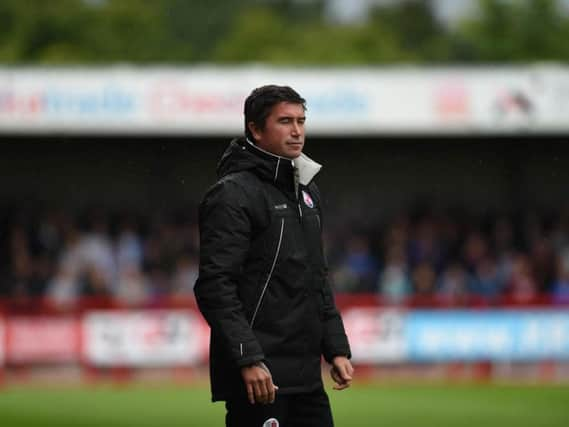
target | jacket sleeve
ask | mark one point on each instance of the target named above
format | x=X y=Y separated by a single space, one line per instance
x=335 y=341
x=225 y=231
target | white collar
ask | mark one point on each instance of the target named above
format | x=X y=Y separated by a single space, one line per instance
x=307 y=168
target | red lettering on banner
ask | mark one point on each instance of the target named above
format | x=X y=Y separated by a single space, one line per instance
x=172 y=99
x=22 y=105
x=452 y=101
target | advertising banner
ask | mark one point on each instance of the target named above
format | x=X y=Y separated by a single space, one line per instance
x=375 y=335
x=378 y=335
x=144 y=338
x=42 y=340
x=358 y=101
x=487 y=335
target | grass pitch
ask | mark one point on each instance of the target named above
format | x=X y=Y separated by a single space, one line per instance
x=363 y=405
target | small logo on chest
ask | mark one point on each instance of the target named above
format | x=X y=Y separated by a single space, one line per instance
x=280 y=207
x=307 y=199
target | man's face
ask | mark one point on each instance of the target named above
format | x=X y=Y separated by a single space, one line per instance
x=283 y=134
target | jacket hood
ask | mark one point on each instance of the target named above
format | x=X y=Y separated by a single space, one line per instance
x=242 y=155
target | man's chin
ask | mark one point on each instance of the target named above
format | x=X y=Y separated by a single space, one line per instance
x=293 y=156
x=293 y=153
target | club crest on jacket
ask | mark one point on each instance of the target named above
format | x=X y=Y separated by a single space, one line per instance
x=307 y=199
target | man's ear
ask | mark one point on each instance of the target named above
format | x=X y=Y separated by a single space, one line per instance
x=255 y=131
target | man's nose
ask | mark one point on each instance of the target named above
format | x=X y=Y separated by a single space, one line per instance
x=296 y=128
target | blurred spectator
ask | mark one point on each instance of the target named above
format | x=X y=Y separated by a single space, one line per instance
x=532 y=229
x=486 y=283
x=359 y=269
x=474 y=250
x=185 y=275
x=424 y=284
x=425 y=245
x=344 y=280
x=561 y=284
x=132 y=287
x=160 y=284
x=63 y=289
x=21 y=269
x=41 y=274
x=49 y=234
x=454 y=285
x=543 y=258
x=397 y=235
x=94 y=282
x=95 y=250
x=450 y=236
x=128 y=248
x=522 y=287
x=394 y=284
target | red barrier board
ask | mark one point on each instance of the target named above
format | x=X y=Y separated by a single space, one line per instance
x=42 y=340
x=2 y=345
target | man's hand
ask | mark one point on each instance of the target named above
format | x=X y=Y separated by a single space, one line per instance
x=259 y=383
x=341 y=372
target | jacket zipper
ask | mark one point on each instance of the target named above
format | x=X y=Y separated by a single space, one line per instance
x=270 y=274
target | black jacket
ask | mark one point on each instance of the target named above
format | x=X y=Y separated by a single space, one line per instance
x=262 y=284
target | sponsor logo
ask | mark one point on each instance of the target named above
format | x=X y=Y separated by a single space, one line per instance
x=453 y=101
x=280 y=207
x=56 y=102
x=307 y=199
x=271 y=422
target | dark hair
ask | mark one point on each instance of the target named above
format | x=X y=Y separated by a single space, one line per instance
x=259 y=103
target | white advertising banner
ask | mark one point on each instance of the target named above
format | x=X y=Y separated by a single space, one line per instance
x=143 y=338
x=376 y=335
x=360 y=101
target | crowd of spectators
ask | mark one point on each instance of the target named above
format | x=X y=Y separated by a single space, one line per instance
x=133 y=259
x=457 y=259
x=412 y=258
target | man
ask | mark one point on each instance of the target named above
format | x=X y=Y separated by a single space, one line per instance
x=262 y=283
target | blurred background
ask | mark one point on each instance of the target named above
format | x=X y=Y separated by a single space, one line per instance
x=443 y=129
